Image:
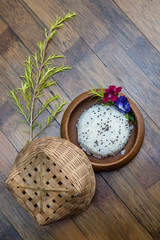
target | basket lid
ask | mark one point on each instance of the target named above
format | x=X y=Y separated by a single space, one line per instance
x=52 y=179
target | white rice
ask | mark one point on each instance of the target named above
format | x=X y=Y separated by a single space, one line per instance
x=102 y=131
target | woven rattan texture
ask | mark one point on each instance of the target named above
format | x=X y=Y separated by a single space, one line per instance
x=52 y=179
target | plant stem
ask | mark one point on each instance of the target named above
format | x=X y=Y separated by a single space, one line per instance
x=40 y=131
x=35 y=90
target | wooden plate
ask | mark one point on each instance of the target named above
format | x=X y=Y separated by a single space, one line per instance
x=69 y=132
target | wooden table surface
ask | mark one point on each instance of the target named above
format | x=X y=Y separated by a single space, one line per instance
x=109 y=42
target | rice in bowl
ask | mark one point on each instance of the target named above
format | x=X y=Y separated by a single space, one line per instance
x=102 y=131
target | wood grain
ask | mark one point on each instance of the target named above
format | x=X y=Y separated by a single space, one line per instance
x=154 y=191
x=6 y=229
x=145 y=15
x=126 y=187
x=113 y=217
x=109 y=42
x=124 y=33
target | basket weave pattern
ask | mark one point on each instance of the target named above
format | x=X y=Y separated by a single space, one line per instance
x=52 y=179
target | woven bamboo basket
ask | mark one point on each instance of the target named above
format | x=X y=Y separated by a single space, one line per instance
x=52 y=179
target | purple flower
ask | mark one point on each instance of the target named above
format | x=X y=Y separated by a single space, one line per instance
x=122 y=104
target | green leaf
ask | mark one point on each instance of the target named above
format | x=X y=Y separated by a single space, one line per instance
x=35 y=56
x=51 y=112
x=26 y=132
x=70 y=15
x=127 y=116
x=38 y=124
x=39 y=96
x=50 y=83
x=45 y=32
x=130 y=116
x=23 y=122
x=51 y=35
x=48 y=120
x=52 y=25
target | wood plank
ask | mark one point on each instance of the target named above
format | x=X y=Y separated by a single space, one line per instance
x=142 y=167
x=145 y=15
x=17 y=216
x=17 y=18
x=44 y=12
x=136 y=198
x=7 y=231
x=93 y=31
x=108 y=218
x=154 y=190
x=10 y=9
x=12 y=48
x=3 y=27
x=124 y=32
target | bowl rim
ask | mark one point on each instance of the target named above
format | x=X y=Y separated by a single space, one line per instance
x=98 y=166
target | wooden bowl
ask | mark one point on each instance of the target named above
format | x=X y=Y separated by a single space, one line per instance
x=69 y=132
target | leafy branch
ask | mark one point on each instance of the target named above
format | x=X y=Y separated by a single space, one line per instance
x=46 y=124
x=97 y=92
x=32 y=87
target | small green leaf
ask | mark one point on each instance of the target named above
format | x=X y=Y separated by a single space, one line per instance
x=39 y=96
x=45 y=32
x=51 y=112
x=48 y=120
x=23 y=122
x=127 y=116
x=38 y=124
x=52 y=25
x=130 y=116
x=26 y=132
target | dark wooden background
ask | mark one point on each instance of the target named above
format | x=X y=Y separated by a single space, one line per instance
x=109 y=42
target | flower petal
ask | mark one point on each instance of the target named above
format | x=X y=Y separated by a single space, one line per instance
x=118 y=89
x=112 y=87
x=105 y=100
x=122 y=104
x=114 y=98
x=106 y=97
x=107 y=90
